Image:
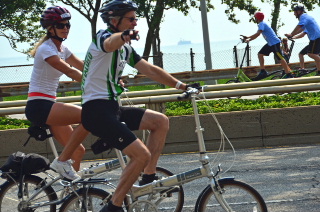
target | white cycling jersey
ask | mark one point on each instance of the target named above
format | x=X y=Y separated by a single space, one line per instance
x=45 y=79
x=102 y=70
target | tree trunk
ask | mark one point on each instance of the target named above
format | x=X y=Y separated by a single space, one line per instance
x=153 y=25
x=157 y=57
x=275 y=19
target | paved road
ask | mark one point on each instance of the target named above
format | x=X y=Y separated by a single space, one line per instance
x=287 y=177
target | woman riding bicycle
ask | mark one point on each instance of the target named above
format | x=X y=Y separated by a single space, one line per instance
x=51 y=60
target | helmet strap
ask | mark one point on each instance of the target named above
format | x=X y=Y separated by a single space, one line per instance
x=55 y=36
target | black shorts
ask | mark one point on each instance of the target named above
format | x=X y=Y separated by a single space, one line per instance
x=304 y=51
x=37 y=111
x=105 y=119
x=314 y=46
x=266 y=50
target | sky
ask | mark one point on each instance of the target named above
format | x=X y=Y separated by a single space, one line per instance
x=177 y=27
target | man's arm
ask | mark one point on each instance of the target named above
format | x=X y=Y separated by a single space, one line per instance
x=113 y=42
x=298 y=29
x=252 y=37
x=116 y=40
x=300 y=35
x=158 y=74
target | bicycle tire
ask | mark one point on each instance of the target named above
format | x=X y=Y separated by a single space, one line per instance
x=239 y=196
x=175 y=202
x=97 y=198
x=9 y=200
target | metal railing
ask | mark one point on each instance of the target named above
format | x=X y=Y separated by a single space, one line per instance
x=212 y=91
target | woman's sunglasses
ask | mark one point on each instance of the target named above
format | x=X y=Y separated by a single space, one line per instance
x=131 y=19
x=62 y=25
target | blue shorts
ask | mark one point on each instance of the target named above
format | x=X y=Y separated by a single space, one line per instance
x=107 y=120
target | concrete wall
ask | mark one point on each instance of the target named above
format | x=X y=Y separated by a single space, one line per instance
x=247 y=129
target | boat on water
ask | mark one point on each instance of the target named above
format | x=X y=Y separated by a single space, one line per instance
x=184 y=42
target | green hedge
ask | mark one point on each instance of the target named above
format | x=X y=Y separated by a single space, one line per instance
x=227 y=105
x=221 y=105
x=6 y=123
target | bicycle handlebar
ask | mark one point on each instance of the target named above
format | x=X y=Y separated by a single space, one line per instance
x=187 y=93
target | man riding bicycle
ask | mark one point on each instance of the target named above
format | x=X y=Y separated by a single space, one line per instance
x=106 y=58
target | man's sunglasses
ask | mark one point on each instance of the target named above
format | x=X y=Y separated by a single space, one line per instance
x=131 y=19
x=62 y=25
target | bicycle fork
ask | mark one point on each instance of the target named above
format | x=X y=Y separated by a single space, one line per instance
x=218 y=193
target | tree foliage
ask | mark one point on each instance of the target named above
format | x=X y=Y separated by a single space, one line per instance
x=248 y=5
x=87 y=8
x=19 y=21
x=277 y=4
x=153 y=11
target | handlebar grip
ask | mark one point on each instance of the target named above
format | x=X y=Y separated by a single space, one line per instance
x=184 y=95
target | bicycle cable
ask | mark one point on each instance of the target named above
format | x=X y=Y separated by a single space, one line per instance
x=223 y=136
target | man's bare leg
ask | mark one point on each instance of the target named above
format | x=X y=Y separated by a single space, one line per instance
x=316 y=58
x=139 y=156
x=158 y=124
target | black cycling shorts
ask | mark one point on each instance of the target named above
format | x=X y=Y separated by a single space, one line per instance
x=314 y=46
x=114 y=123
x=37 y=111
x=266 y=50
x=304 y=51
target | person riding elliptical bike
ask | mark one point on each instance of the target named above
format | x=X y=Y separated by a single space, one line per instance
x=273 y=45
x=309 y=25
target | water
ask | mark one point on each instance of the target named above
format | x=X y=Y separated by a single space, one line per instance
x=176 y=58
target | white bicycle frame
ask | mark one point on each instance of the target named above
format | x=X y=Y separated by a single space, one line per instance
x=170 y=183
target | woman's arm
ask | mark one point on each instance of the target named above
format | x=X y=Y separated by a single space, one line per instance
x=75 y=62
x=59 y=64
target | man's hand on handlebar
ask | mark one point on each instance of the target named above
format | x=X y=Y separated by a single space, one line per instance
x=289 y=36
x=244 y=39
x=193 y=85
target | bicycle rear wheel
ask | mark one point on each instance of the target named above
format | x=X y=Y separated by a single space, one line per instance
x=96 y=199
x=239 y=196
x=10 y=202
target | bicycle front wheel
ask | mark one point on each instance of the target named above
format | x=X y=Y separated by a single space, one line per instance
x=9 y=200
x=239 y=196
x=96 y=199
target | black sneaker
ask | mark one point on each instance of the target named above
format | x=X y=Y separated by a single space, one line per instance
x=144 y=181
x=106 y=209
x=261 y=75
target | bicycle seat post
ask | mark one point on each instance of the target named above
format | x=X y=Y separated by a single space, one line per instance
x=120 y=157
x=53 y=147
